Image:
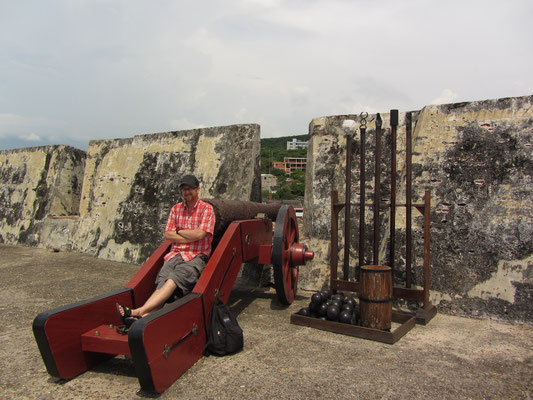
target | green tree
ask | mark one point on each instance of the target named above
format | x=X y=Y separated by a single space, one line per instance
x=281 y=176
x=283 y=193
x=264 y=194
x=297 y=188
x=278 y=172
x=298 y=176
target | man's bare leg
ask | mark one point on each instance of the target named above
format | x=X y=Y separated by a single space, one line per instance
x=156 y=300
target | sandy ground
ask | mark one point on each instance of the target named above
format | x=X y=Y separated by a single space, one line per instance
x=450 y=358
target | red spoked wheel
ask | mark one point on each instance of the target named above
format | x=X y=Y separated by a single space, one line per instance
x=285 y=272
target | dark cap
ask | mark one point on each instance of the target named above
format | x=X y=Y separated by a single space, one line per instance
x=190 y=180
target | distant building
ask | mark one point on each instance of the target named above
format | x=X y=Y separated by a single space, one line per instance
x=293 y=164
x=290 y=164
x=278 y=165
x=268 y=181
x=296 y=144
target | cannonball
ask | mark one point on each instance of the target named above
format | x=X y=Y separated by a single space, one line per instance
x=347 y=306
x=351 y=301
x=317 y=298
x=333 y=312
x=337 y=303
x=329 y=302
x=338 y=297
x=323 y=310
x=314 y=307
x=345 y=316
x=327 y=292
x=305 y=311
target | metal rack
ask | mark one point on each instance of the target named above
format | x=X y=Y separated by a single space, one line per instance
x=425 y=313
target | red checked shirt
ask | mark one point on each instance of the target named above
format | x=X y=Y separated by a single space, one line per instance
x=201 y=217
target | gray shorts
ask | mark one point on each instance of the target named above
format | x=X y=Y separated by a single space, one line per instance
x=185 y=274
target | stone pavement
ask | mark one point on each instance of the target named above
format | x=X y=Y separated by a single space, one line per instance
x=451 y=358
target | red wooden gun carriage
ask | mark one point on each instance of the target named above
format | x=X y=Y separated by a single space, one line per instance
x=163 y=345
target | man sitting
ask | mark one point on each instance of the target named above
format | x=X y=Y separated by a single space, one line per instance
x=190 y=227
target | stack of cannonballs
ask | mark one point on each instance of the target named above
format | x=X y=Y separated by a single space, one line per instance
x=330 y=307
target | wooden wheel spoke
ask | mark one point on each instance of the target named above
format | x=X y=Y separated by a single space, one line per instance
x=285 y=235
x=287 y=277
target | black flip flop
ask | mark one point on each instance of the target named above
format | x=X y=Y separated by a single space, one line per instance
x=127 y=312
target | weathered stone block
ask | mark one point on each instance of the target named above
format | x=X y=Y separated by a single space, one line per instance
x=35 y=183
x=477 y=160
x=131 y=184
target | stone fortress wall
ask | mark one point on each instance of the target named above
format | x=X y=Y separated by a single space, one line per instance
x=476 y=158
x=114 y=200
x=37 y=182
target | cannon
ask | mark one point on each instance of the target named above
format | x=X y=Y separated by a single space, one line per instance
x=163 y=345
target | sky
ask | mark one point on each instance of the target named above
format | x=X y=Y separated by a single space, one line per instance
x=72 y=71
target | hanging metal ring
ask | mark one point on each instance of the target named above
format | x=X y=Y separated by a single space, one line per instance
x=363 y=116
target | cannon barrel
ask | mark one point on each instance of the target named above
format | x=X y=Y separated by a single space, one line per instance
x=227 y=211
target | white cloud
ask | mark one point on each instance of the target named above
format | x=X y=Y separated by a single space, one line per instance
x=446 y=96
x=32 y=137
x=524 y=87
x=13 y=125
x=7 y=120
x=348 y=107
x=300 y=96
x=241 y=114
x=184 y=124
x=23 y=131
x=98 y=69
x=263 y=3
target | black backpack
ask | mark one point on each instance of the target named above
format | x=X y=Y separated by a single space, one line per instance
x=224 y=335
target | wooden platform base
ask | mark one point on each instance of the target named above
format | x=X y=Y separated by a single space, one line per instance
x=105 y=339
x=424 y=315
x=407 y=323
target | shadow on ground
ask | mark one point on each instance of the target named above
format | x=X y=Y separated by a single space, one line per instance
x=450 y=358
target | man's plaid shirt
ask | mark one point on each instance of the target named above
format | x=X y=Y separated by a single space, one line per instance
x=202 y=216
